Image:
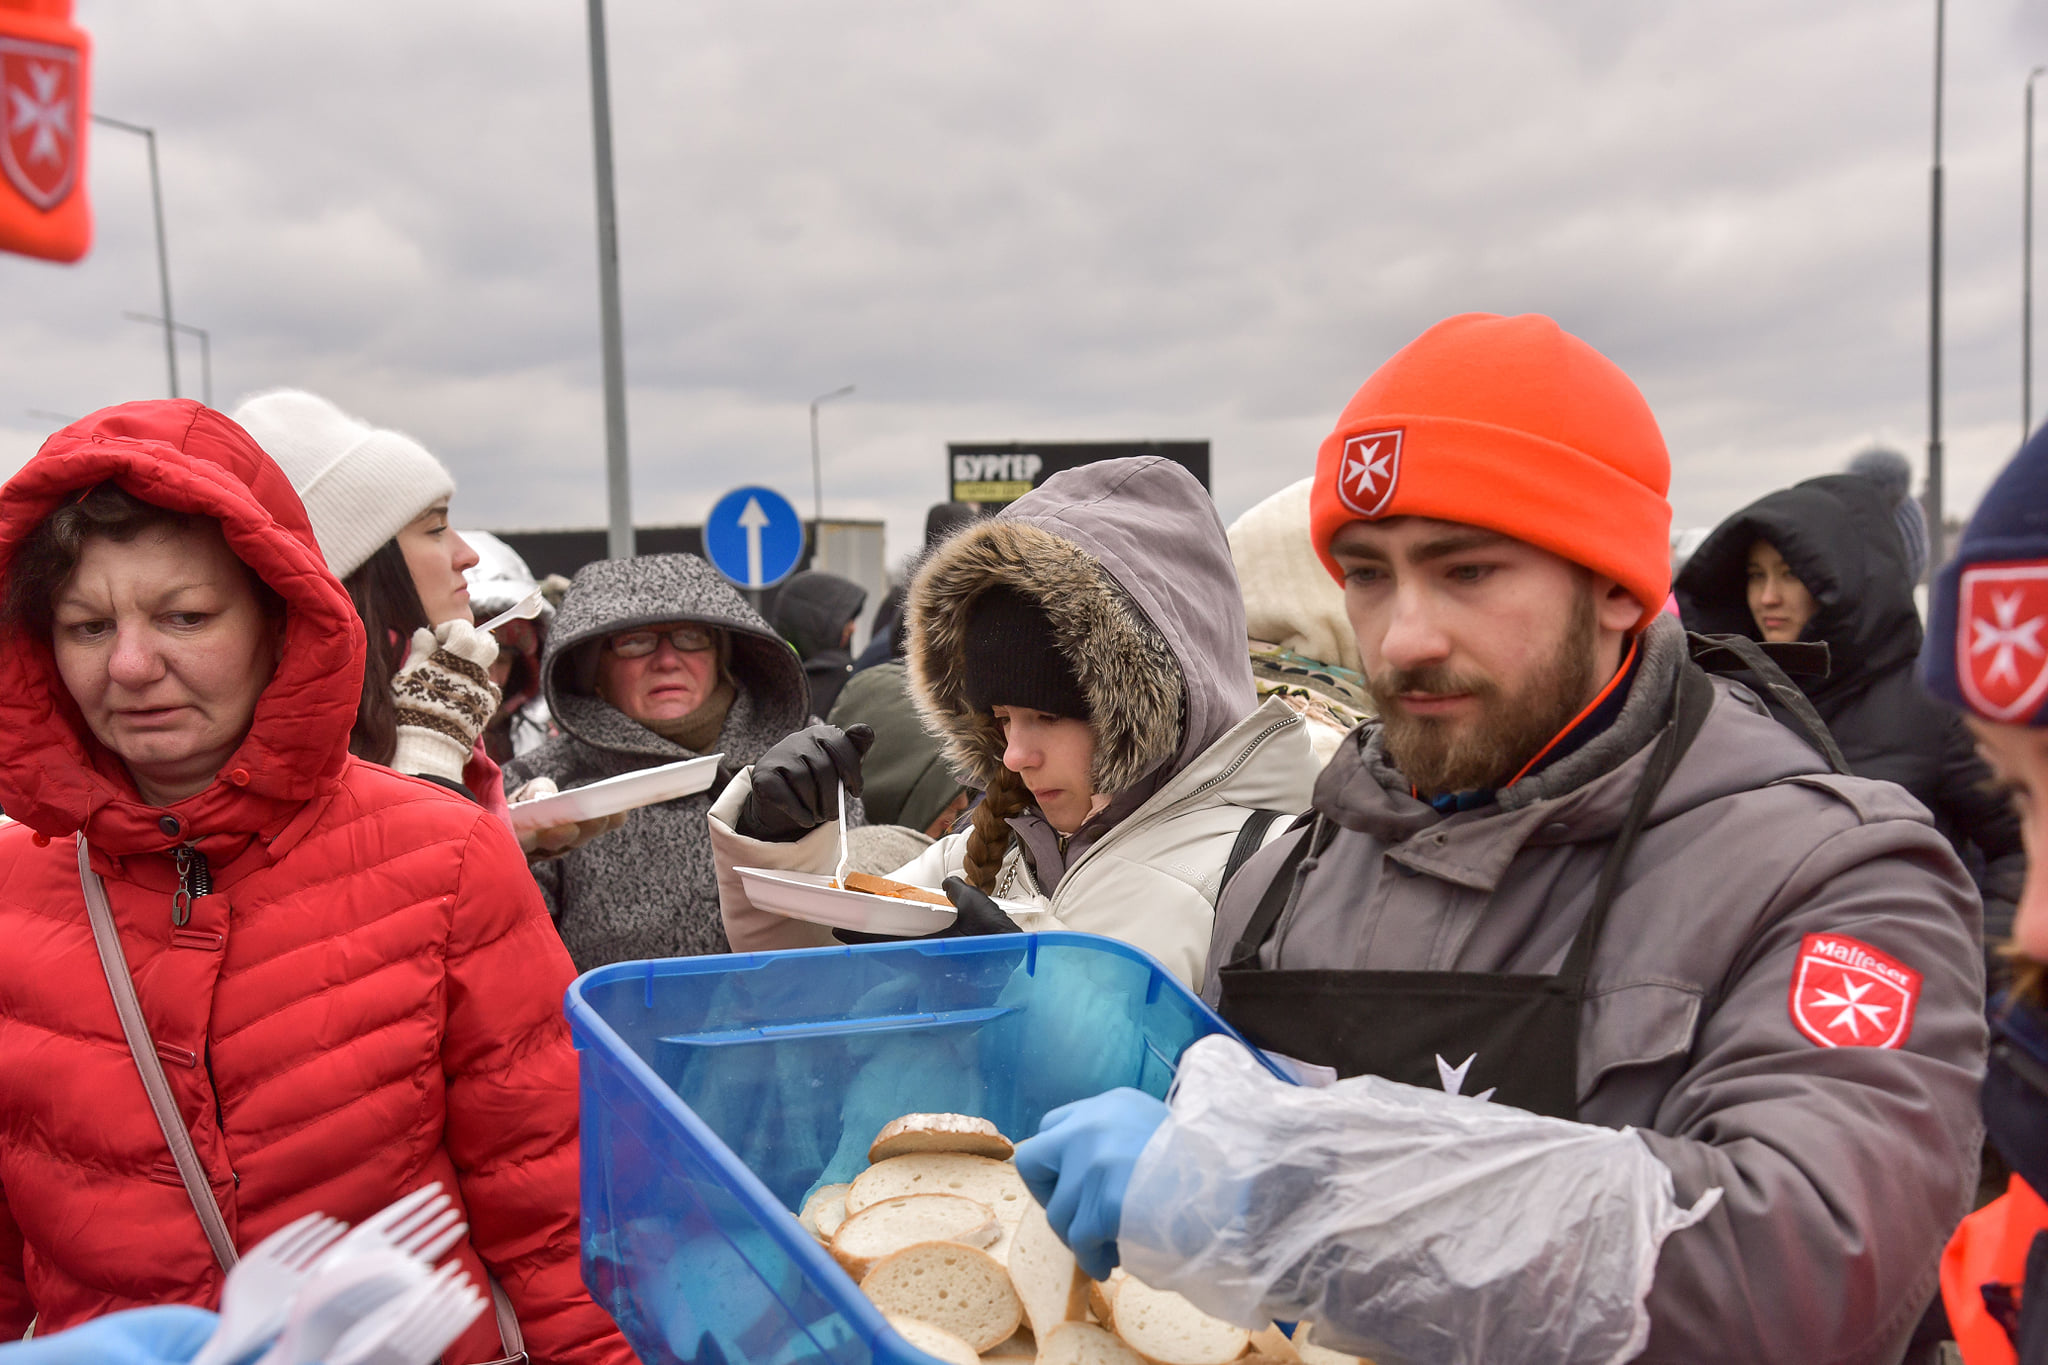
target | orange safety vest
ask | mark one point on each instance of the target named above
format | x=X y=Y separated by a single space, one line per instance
x=44 y=115
x=1990 y=1248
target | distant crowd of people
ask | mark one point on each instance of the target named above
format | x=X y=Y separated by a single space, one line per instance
x=1409 y=773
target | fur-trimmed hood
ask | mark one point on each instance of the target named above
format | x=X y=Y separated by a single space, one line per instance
x=1130 y=562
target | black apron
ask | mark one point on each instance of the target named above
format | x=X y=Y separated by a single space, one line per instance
x=1513 y=1038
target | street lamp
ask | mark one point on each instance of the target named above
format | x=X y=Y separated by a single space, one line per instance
x=163 y=255
x=2027 y=273
x=1937 y=551
x=205 y=350
x=817 y=466
x=618 y=486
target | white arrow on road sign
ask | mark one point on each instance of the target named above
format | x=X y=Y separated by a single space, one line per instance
x=752 y=519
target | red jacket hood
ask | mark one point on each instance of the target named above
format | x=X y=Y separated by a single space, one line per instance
x=54 y=776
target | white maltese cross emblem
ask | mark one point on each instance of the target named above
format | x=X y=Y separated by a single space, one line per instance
x=1369 y=470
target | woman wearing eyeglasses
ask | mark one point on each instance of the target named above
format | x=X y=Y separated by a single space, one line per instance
x=649 y=661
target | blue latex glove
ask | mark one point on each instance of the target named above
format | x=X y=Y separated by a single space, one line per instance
x=170 y=1335
x=1080 y=1165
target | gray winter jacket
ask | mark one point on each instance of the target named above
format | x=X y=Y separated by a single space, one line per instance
x=1844 y=1168
x=648 y=890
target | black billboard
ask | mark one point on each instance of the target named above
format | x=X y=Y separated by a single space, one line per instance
x=995 y=474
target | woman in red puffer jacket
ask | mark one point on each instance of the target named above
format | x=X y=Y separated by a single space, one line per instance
x=349 y=974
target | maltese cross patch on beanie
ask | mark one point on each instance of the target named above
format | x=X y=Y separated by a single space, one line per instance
x=1372 y=466
x=1986 y=647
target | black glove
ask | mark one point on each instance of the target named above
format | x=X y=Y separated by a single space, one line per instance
x=974 y=916
x=796 y=783
x=978 y=915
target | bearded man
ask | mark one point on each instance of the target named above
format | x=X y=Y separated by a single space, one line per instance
x=1722 y=999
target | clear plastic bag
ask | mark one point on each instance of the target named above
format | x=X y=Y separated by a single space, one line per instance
x=1406 y=1224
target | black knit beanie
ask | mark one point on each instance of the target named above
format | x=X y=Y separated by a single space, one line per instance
x=1014 y=658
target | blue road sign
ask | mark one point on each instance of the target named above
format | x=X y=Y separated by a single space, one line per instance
x=754 y=537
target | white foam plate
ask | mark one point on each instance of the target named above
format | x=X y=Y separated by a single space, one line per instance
x=811 y=896
x=627 y=791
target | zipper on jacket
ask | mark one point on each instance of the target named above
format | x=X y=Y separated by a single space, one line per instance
x=195 y=879
x=1244 y=756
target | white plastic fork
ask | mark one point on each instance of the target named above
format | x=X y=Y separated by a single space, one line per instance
x=839 y=871
x=422 y=1225
x=338 y=1296
x=525 y=609
x=258 y=1294
x=414 y=1329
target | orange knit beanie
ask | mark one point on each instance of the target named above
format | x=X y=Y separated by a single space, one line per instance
x=1515 y=425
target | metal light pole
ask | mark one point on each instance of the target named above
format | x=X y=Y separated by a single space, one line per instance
x=617 y=482
x=2027 y=272
x=817 y=465
x=163 y=255
x=205 y=350
x=1937 y=552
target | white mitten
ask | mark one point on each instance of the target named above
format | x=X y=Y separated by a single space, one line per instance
x=445 y=699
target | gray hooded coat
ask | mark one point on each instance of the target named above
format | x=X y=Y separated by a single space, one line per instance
x=1843 y=1168
x=648 y=890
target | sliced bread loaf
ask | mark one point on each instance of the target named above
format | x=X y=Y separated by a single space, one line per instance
x=939 y=1133
x=1081 y=1343
x=827 y=1202
x=1274 y=1344
x=1312 y=1354
x=950 y=1286
x=906 y=1220
x=934 y=1341
x=1102 y=1296
x=1165 y=1328
x=1020 y=1345
x=1051 y=1287
x=980 y=1178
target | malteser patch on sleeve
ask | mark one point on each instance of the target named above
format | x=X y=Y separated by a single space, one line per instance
x=1846 y=993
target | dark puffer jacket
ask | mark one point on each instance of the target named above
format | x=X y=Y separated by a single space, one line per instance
x=1838 y=536
x=648 y=890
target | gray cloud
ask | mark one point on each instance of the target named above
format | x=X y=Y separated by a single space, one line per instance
x=1058 y=220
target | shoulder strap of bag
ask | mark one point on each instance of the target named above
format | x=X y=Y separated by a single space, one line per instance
x=1251 y=836
x=1692 y=698
x=510 y=1339
x=1316 y=833
x=143 y=1049
x=1714 y=654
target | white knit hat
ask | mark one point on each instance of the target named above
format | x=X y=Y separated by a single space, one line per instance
x=361 y=485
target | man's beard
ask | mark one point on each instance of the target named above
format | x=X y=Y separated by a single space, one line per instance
x=1482 y=751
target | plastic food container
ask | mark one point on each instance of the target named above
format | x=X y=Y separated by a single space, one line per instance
x=718 y=1091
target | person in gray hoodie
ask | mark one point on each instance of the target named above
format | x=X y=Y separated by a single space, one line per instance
x=649 y=661
x=1721 y=999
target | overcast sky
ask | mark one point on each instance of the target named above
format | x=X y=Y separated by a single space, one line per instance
x=1099 y=220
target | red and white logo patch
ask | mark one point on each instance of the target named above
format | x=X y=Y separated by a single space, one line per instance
x=2002 y=638
x=39 y=120
x=1848 y=994
x=1368 y=471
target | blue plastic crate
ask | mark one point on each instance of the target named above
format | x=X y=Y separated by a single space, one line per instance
x=718 y=1091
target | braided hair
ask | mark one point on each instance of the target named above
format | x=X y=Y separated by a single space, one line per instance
x=988 y=837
